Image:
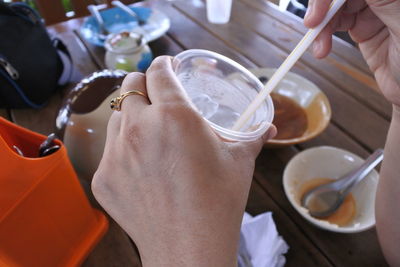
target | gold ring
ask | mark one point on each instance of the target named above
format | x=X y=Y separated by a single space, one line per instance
x=116 y=102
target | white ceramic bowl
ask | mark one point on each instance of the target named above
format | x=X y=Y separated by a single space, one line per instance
x=330 y=162
x=85 y=137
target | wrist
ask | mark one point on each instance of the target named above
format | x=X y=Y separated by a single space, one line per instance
x=396 y=112
x=188 y=255
x=188 y=249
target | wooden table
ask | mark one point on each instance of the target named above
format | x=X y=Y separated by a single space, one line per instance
x=258 y=35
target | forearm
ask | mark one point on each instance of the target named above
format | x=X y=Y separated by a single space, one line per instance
x=388 y=195
x=205 y=235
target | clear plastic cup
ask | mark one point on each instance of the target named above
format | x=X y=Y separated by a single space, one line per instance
x=219 y=11
x=221 y=89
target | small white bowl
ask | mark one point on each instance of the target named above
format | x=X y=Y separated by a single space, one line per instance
x=331 y=162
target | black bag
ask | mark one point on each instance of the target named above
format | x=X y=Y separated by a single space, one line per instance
x=30 y=63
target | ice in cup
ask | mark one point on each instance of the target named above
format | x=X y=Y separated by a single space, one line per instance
x=219 y=11
x=221 y=89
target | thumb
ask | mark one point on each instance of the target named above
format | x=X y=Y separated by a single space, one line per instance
x=272 y=131
x=254 y=147
x=388 y=12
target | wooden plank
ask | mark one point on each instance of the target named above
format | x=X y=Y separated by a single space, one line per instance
x=342 y=249
x=66 y=26
x=165 y=46
x=95 y=52
x=80 y=7
x=333 y=136
x=189 y=35
x=301 y=252
x=4 y=113
x=341 y=48
x=38 y=120
x=338 y=71
x=52 y=11
x=350 y=115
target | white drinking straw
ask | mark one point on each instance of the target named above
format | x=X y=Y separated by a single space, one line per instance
x=287 y=65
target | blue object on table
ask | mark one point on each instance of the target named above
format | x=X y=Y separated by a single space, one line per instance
x=145 y=62
x=117 y=20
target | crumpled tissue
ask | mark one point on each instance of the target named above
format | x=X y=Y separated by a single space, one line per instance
x=260 y=243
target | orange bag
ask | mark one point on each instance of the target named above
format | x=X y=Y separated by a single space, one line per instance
x=45 y=216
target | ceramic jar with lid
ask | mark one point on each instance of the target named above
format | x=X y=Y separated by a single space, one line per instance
x=127 y=51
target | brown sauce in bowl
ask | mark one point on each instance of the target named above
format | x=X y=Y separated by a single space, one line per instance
x=290 y=118
x=345 y=213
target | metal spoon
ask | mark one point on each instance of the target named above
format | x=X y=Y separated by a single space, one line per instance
x=48 y=147
x=50 y=150
x=46 y=144
x=327 y=198
x=18 y=150
x=129 y=11
x=96 y=14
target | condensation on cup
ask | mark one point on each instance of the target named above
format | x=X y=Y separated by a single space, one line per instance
x=220 y=89
x=219 y=11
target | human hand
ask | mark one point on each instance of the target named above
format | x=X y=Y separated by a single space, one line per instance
x=166 y=177
x=375 y=26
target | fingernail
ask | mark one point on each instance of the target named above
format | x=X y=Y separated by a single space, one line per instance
x=271 y=133
x=308 y=12
x=317 y=46
x=265 y=137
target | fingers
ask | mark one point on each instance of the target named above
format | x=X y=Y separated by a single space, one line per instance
x=371 y=49
x=323 y=43
x=354 y=6
x=344 y=22
x=272 y=131
x=362 y=26
x=316 y=12
x=388 y=12
x=366 y=26
x=254 y=147
x=162 y=84
x=363 y=18
x=133 y=103
x=130 y=105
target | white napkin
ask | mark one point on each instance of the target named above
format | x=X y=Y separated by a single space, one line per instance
x=260 y=243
